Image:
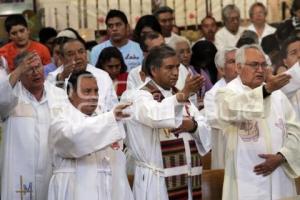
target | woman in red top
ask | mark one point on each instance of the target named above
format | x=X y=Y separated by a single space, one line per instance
x=111 y=61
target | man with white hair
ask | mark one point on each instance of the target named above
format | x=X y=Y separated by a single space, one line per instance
x=227 y=36
x=225 y=62
x=258 y=120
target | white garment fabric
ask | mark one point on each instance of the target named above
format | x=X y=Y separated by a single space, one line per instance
x=25 y=155
x=254 y=125
x=143 y=138
x=225 y=39
x=217 y=136
x=292 y=89
x=107 y=95
x=134 y=79
x=169 y=40
x=85 y=165
x=267 y=31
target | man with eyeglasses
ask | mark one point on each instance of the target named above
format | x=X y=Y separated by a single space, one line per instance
x=258 y=120
x=25 y=110
x=228 y=36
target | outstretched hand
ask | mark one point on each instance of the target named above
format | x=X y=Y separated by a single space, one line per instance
x=272 y=161
x=118 y=111
x=275 y=82
x=191 y=86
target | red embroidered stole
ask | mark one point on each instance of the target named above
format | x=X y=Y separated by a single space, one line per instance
x=174 y=156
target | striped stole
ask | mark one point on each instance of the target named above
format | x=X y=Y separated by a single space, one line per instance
x=174 y=154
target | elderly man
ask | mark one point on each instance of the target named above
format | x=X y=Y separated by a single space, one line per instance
x=166 y=132
x=225 y=62
x=74 y=59
x=24 y=107
x=85 y=164
x=257 y=120
x=258 y=13
x=227 y=36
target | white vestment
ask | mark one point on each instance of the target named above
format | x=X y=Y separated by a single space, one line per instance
x=107 y=95
x=225 y=39
x=85 y=165
x=25 y=156
x=267 y=31
x=217 y=135
x=254 y=125
x=292 y=89
x=144 y=132
x=134 y=79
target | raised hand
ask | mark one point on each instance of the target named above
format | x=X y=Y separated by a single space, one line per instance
x=118 y=111
x=68 y=69
x=191 y=86
x=276 y=82
x=186 y=126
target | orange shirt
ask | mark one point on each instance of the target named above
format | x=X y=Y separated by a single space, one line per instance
x=9 y=51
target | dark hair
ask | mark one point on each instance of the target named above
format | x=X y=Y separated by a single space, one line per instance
x=208 y=17
x=270 y=43
x=116 y=13
x=284 y=30
x=109 y=53
x=291 y=39
x=162 y=9
x=247 y=37
x=74 y=79
x=46 y=33
x=145 y=21
x=203 y=54
x=148 y=36
x=156 y=56
x=295 y=6
x=14 y=20
x=68 y=40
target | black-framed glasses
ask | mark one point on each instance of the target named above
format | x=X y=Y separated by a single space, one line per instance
x=256 y=65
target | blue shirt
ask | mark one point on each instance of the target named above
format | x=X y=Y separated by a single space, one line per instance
x=132 y=53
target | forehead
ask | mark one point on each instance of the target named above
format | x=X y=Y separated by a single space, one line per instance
x=182 y=45
x=87 y=82
x=115 y=20
x=230 y=54
x=208 y=21
x=73 y=45
x=172 y=60
x=17 y=28
x=112 y=61
x=165 y=15
x=252 y=54
x=293 y=45
x=154 y=42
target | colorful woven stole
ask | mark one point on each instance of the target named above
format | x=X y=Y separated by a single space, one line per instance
x=174 y=156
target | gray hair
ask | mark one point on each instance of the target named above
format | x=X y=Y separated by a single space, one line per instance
x=228 y=9
x=240 y=53
x=156 y=56
x=177 y=40
x=220 y=57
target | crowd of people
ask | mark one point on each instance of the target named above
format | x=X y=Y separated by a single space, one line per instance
x=78 y=120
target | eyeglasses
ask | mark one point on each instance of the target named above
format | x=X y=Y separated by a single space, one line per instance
x=256 y=65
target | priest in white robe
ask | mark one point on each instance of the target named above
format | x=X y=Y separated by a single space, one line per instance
x=86 y=163
x=258 y=120
x=161 y=124
x=225 y=62
x=74 y=58
x=24 y=107
x=290 y=52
